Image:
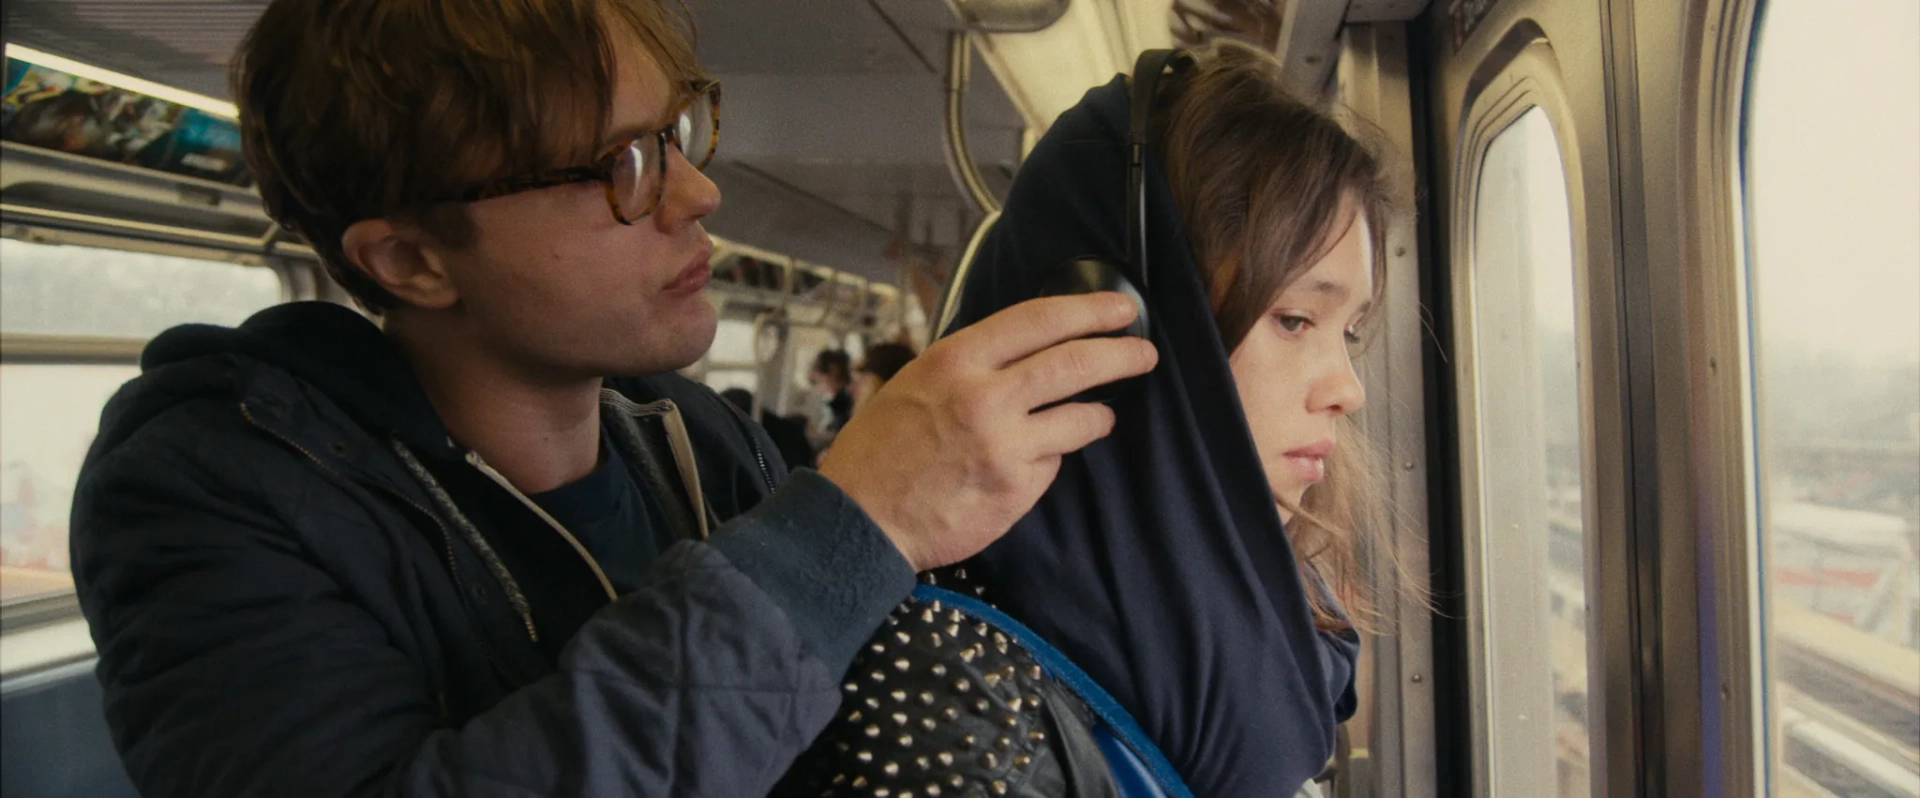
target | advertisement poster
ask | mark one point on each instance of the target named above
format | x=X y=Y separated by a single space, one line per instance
x=46 y=107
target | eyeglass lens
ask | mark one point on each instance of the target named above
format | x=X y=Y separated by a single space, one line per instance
x=639 y=173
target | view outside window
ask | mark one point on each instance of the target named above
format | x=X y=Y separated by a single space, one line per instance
x=1532 y=536
x=48 y=416
x=66 y=290
x=1833 y=182
x=49 y=412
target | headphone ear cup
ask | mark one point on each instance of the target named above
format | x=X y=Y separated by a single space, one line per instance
x=1088 y=275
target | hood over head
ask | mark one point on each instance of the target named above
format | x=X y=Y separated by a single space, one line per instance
x=1157 y=560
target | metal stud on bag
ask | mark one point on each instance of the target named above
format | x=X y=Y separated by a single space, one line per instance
x=947 y=681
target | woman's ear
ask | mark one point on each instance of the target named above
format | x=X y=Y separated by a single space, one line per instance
x=401 y=259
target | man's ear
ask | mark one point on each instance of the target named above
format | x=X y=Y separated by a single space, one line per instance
x=400 y=258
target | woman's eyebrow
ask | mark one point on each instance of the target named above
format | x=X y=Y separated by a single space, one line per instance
x=1329 y=288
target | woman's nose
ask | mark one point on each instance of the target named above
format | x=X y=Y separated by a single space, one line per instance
x=1339 y=389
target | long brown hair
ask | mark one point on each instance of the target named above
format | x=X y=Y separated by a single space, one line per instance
x=1265 y=184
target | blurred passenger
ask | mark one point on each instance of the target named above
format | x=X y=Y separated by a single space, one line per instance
x=451 y=553
x=830 y=377
x=789 y=433
x=740 y=398
x=882 y=361
x=1201 y=563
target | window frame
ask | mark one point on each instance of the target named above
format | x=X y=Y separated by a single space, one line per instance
x=1520 y=73
x=1715 y=52
x=65 y=349
x=1374 y=79
x=1725 y=42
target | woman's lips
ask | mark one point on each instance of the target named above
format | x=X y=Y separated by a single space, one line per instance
x=1308 y=468
x=1309 y=462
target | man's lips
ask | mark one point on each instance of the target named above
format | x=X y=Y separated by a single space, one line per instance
x=694 y=277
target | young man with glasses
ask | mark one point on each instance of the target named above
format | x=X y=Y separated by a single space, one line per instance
x=476 y=549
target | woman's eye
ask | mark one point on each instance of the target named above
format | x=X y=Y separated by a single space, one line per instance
x=1353 y=338
x=1291 y=323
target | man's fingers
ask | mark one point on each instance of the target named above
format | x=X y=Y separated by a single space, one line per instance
x=1066 y=369
x=1068 y=428
x=1033 y=325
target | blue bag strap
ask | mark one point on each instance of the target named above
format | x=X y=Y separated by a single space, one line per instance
x=1130 y=775
x=1056 y=664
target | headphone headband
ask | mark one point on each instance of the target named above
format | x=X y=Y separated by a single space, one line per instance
x=1147 y=71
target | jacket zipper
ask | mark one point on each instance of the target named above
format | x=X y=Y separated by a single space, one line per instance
x=478 y=462
x=765 y=472
x=446 y=537
x=741 y=420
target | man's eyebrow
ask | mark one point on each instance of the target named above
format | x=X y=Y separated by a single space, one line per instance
x=625 y=133
x=620 y=136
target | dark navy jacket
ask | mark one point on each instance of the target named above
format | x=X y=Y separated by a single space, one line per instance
x=285 y=601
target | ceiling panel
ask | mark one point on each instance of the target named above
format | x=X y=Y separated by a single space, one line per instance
x=886 y=118
x=759 y=207
x=923 y=24
x=794 y=37
x=833 y=118
x=183 y=44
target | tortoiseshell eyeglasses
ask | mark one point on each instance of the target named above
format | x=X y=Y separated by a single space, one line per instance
x=635 y=173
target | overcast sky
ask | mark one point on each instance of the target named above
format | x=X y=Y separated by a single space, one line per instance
x=1835 y=136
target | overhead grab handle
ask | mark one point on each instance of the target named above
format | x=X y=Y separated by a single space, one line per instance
x=1008 y=16
x=966 y=174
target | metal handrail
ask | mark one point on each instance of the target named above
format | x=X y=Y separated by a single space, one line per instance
x=966 y=174
x=88 y=221
x=50 y=348
x=950 y=298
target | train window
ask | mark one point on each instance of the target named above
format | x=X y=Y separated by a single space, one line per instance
x=1532 y=537
x=732 y=342
x=71 y=290
x=48 y=416
x=731 y=361
x=1833 y=192
x=50 y=410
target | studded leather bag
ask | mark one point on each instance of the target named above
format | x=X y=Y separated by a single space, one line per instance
x=942 y=703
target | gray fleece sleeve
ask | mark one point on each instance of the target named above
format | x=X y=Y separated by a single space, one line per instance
x=822 y=560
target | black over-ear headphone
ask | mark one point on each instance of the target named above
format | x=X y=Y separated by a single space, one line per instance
x=1092 y=273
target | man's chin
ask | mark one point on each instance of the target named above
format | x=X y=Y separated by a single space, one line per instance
x=673 y=347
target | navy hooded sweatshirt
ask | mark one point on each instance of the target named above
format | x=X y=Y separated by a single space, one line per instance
x=1157 y=560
